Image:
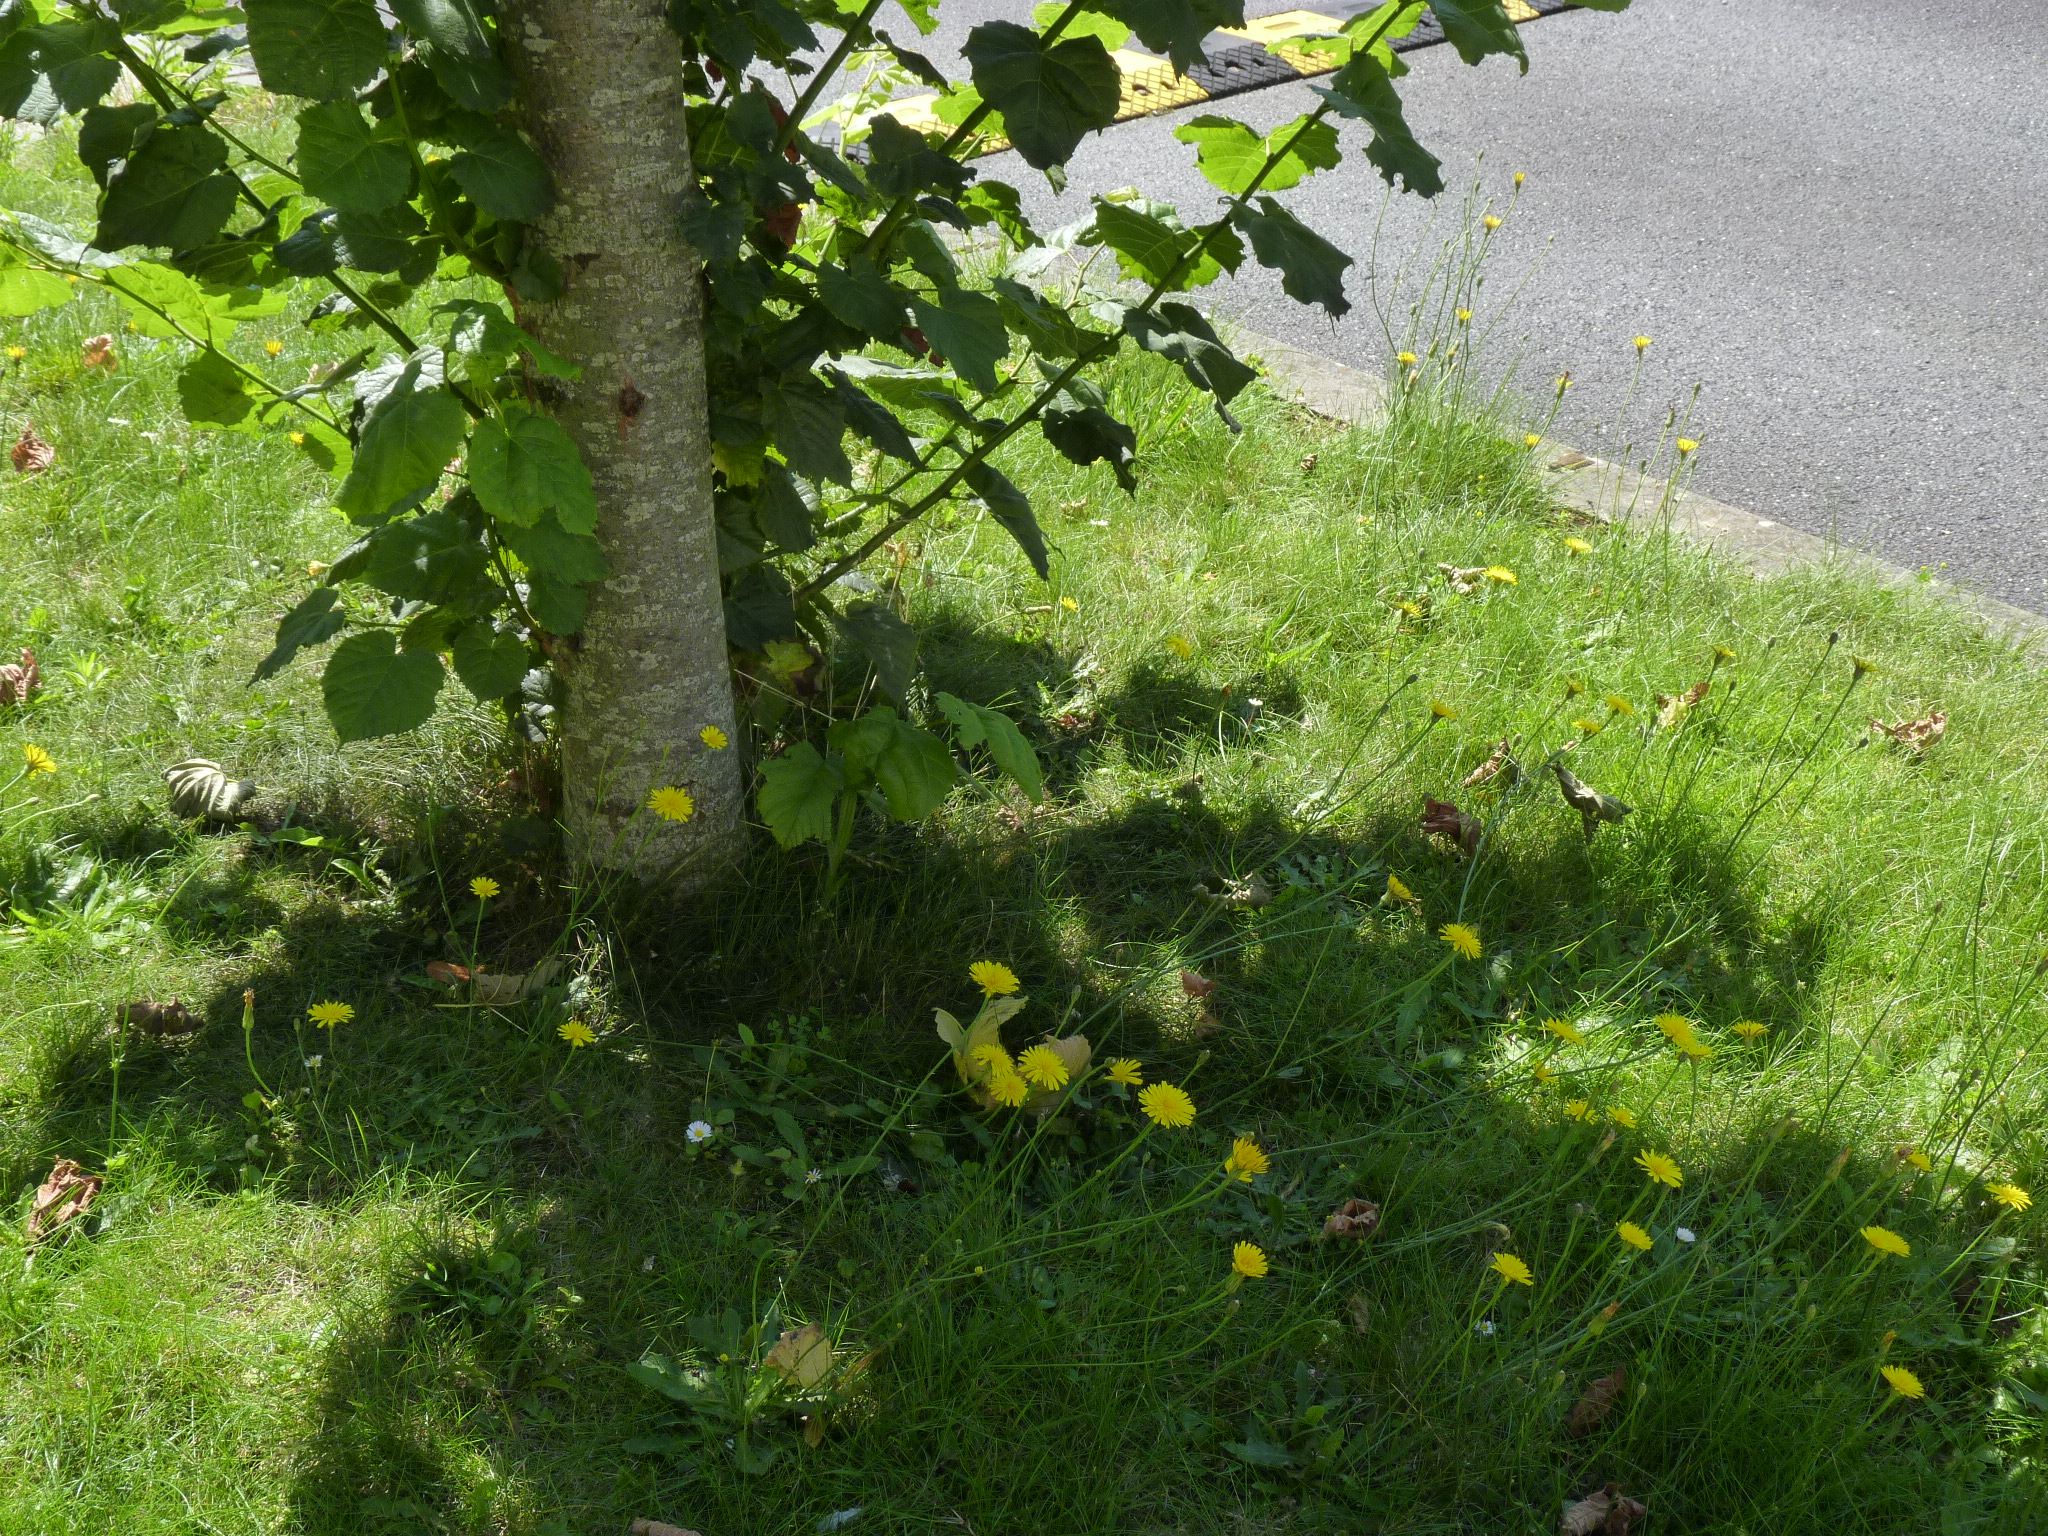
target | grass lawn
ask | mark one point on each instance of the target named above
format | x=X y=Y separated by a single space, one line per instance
x=429 y=1271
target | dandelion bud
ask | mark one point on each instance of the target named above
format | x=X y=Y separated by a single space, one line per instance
x=1835 y=1168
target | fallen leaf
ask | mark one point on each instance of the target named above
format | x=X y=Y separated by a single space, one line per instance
x=98 y=352
x=985 y=1030
x=159 y=1019
x=1607 y=1511
x=1196 y=986
x=1442 y=819
x=1600 y=1396
x=200 y=788
x=656 y=1528
x=1501 y=765
x=1361 y=1313
x=1916 y=736
x=447 y=972
x=1308 y=463
x=67 y=1192
x=1571 y=458
x=1671 y=707
x=1251 y=893
x=1464 y=580
x=20 y=679
x=495 y=989
x=31 y=454
x=1593 y=806
x=1353 y=1219
x=802 y=1357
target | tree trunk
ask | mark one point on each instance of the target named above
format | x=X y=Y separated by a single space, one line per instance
x=602 y=92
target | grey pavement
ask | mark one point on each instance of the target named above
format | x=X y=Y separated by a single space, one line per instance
x=1832 y=217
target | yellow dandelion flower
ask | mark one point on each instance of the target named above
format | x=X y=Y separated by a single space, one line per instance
x=1573 y=687
x=1749 y=1029
x=1685 y=446
x=1405 y=359
x=1886 y=1241
x=1577 y=545
x=1041 y=1064
x=994 y=1058
x=1677 y=1027
x=1660 y=1169
x=1863 y=665
x=1462 y=937
x=1625 y=1118
x=1008 y=1089
x=1246 y=1158
x=2011 y=1196
x=1565 y=1030
x=1919 y=1160
x=1693 y=1048
x=483 y=887
x=714 y=738
x=1902 y=1381
x=1544 y=1074
x=1633 y=1235
x=1442 y=710
x=1722 y=653
x=37 y=759
x=1642 y=343
x=672 y=803
x=1491 y=221
x=17 y=353
x=298 y=439
x=993 y=977
x=273 y=347
x=1501 y=574
x=1532 y=439
x=1070 y=605
x=576 y=1034
x=1578 y=1109
x=1508 y=1267
x=1167 y=1104
x=327 y=1015
x=1181 y=646
x=1520 y=177
x=1588 y=727
x=1126 y=1071
x=1464 y=317
x=1618 y=704
x=1249 y=1260
x=1398 y=890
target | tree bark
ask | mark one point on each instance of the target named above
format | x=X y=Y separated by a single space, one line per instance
x=603 y=100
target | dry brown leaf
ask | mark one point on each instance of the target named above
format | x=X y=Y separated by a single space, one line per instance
x=1253 y=892
x=98 y=352
x=802 y=1356
x=31 y=454
x=656 y=1528
x=19 y=680
x=67 y=1192
x=1353 y=1219
x=447 y=972
x=1308 y=463
x=1600 y=1396
x=1608 y=1511
x=1196 y=986
x=1361 y=1313
x=1464 y=580
x=495 y=989
x=1671 y=707
x=1501 y=764
x=1442 y=819
x=200 y=788
x=1916 y=736
x=159 y=1019
x=1591 y=805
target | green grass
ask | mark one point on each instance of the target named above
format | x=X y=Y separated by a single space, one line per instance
x=288 y=1320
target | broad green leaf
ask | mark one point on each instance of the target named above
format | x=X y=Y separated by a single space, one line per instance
x=1363 y=89
x=977 y=725
x=1077 y=422
x=328 y=449
x=810 y=426
x=522 y=464
x=1479 y=27
x=47 y=71
x=380 y=241
x=502 y=176
x=1175 y=28
x=873 y=420
x=490 y=662
x=1012 y=508
x=372 y=688
x=1231 y=155
x=858 y=295
x=889 y=644
x=1311 y=269
x=214 y=393
x=1114 y=33
x=992 y=202
x=166 y=303
x=911 y=767
x=967 y=329
x=1178 y=332
x=786 y=508
x=550 y=549
x=174 y=192
x=758 y=610
x=1050 y=96
x=24 y=290
x=437 y=557
x=1046 y=327
x=484 y=338
x=902 y=163
x=456 y=48
x=324 y=50
x=559 y=606
x=346 y=162
x=107 y=134
x=405 y=447
x=1150 y=249
x=314 y=621
x=798 y=790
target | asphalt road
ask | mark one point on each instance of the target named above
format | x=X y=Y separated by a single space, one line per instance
x=1832 y=217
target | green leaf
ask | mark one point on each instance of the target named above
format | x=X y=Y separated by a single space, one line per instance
x=1231 y=155
x=1363 y=89
x=1049 y=96
x=873 y=420
x=107 y=134
x=993 y=202
x=152 y=291
x=372 y=688
x=48 y=71
x=314 y=621
x=912 y=767
x=522 y=464
x=1311 y=269
x=324 y=50
x=327 y=448
x=174 y=191
x=1114 y=33
x=1175 y=28
x=810 y=424
x=458 y=51
x=346 y=162
x=552 y=550
x=406 y=445
x=976 y=725
x=377 y=242
x=1479 y=27
x=758 y=609
x=1046 y=327
x=1077 y=423
x=437 y=557
x=786 y=508
x=1179 y=333
x=491 y=663
x=501 y=175
x=903 y=163
x=484 y=338
x=559 y=606
x=1152 y=250
x=214 y=393
x=798 y=789
x=1012 y=508
x=25 y=290
x=858 y=295
x=889 y=644
x=967 y=329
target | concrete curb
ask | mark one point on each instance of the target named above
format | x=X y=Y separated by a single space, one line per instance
x=1614 y=493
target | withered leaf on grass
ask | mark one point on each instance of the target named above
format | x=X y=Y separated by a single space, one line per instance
x=1916 y=736
x=1600 y=1397
x=1501 y=765
x=1353 y=1219
x=1361 y=1313
x=1250 y=893
x=19 y=680
x=1671 y=707
x=1195 y=985
x=1591 y=805
x=67 y=1192
x=200 y=788
x=447 y=972
x=657 y=1528
x=802 y=1357
x=1442 y=819
x=31 y=454
x=1463 y=581
x=1608 y=1511
x=98 y=352
x=159 y=1019
x=496 y=989
x=987 y=1029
